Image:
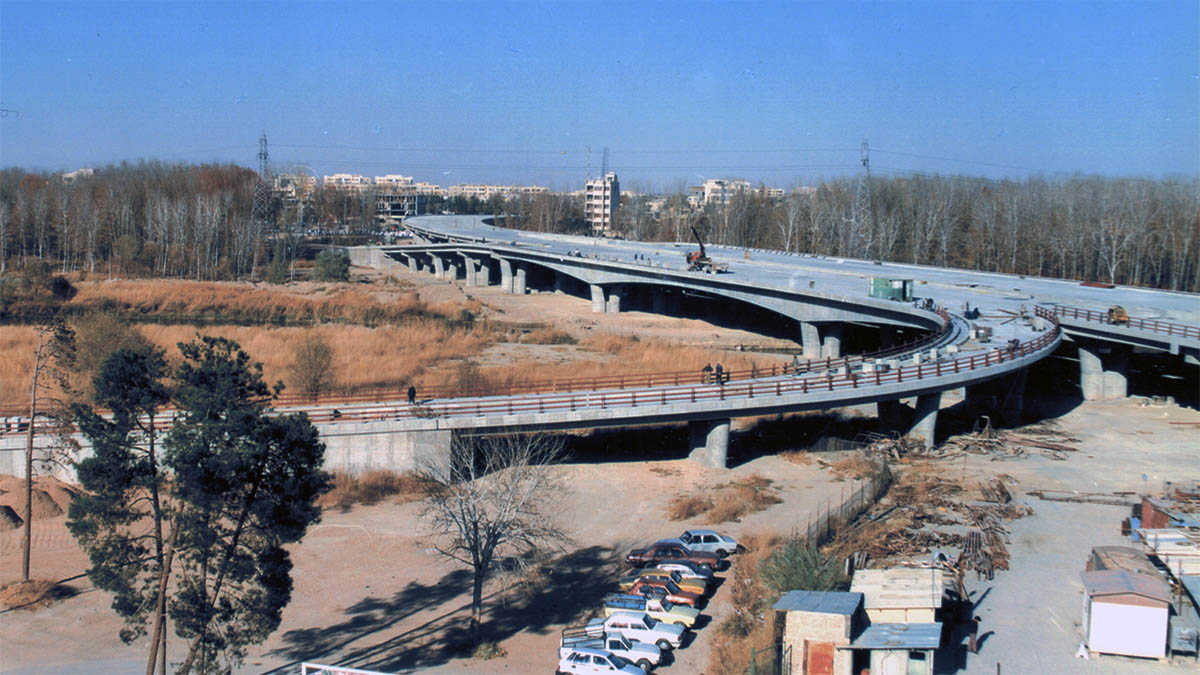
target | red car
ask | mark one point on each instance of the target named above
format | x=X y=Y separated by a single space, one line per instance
x=670 y=552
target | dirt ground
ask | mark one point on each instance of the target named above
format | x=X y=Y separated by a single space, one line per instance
x=372 y=593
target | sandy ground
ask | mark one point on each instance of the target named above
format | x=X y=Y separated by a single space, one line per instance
x=371 y=593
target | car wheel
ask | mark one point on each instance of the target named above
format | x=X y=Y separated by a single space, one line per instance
x=681 y=624
x=664 y=645
x=722 y=553
x=645 y=665
x=706 y=567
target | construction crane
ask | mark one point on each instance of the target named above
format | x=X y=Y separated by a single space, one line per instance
x=698 y=261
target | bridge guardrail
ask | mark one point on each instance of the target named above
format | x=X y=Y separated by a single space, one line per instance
x=1152 y=325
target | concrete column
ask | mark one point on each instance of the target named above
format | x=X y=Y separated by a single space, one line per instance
x=439 y=267
x=658 y=301
x=560 y=285
x=519 y=279
x=613 y=304
x=831 y=340
x=451 y=270
x=414 y=265
x=469 y=265
x=709 y=442
x=1103 y=369
x=810 y=339
x=483 y=274
x=892 y=416
x=1012 y=403
x=925 y=417
x=597 y=298
x=506 y=275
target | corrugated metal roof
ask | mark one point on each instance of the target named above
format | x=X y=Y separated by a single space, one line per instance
x=1120 y=582
x=1192 y=583
x=899 y=636
x=900 y=588
x=825 y=602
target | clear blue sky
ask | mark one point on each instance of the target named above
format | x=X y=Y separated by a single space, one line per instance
x=517 y=92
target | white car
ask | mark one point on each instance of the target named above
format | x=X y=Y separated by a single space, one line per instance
x=589 y=661
x=686 y=569
x=640 y=627
x=707 y=540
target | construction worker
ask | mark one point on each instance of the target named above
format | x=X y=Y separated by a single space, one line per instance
x=795 y=365
x=720 y=375
x=706 y=373
x=412 y=394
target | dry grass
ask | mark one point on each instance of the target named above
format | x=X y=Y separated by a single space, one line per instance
x=33 y=594
x=239 y=302
x=725 y=503
x=547 y=336
x=856 y=466
x=746 y=626
x=373 y=487
x=796 y=456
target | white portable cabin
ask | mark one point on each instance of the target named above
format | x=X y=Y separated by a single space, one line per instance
x=1125 y=613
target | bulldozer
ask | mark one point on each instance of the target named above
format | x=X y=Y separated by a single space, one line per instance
x=1117 y=315
x=698 y=261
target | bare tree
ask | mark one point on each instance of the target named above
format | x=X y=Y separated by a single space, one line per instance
x=494 y=503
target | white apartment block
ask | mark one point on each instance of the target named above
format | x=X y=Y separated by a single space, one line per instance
x=486 y=192
x=602 y=203
x=347 y=181
x=393 y=180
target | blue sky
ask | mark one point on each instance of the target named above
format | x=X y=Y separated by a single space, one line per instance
x=517 y=92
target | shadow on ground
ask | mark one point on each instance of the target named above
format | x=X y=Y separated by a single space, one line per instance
x=562 y=592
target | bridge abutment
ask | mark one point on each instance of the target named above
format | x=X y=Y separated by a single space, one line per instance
x=1103 y=370
x=709 y=442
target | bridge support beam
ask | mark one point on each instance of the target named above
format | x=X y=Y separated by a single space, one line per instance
x=597 y=298
x=613 y=304
x=506 y=275
x=821 y=340
x=894 y=417
x=1001 y=399
x=925 y=417
x=1103 y=370
x=518 y=285
x=709 y=442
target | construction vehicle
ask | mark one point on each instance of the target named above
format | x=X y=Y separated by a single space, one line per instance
x=698 y=261
x=1117 y=315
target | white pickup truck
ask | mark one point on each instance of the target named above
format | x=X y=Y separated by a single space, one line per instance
x=639 y=627
x=643 y=655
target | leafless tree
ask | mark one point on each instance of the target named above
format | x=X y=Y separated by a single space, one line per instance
x=495 y=504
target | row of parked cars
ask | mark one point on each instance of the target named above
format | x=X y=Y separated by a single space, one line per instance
x=658 y=602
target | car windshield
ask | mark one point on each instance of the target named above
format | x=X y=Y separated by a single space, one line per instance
x=648 y=621
x=667 y=606
x=617 y=661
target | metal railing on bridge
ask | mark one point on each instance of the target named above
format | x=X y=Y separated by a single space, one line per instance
x=1152 y=325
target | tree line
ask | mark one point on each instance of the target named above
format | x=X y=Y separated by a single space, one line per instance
x=194 y=221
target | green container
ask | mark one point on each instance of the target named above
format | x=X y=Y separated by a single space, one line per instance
x=900 y=290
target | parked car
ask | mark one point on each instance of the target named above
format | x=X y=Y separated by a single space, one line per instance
x=690 y=584
x=642 y=655
x=666 y=551
x=708 y=540
x=659 y=585
x=640 y=627
x=658 y=609
x=584 y=661
x=687 y=570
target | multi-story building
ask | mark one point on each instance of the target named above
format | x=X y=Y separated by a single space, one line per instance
x=294 y=186
x=75 y=175
x=347 y=181
x=602 y=203
x=486 y=192
x=716 y=191
x=429 y=190
x=393 y=180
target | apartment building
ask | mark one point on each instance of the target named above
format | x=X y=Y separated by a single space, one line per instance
x=602 y=203
x=347 y=181
x=486 y=192
x=294 y=186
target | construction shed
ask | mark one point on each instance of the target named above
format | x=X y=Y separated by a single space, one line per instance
x=1178 y=549
x=816 y=624
x=1120 y=558
x=1126 y=613
x=897 y=648
x=900 y=594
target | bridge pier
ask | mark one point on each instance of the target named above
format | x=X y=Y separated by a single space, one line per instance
x=821 y=340
x=451 y=270
x=439 y=267
x=1003 y=398
x=506 y=275
x=414 y=265
x=597 y=298
x=469 y=266
x=613 y=304
x=1103 y=370
x=709 y=442
x=518 y=285
x=893 y=416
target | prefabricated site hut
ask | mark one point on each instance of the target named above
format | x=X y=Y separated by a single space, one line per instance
x=1125 y=613
x=900 y=594
x=816 y=624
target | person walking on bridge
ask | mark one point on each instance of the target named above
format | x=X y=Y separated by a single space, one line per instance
x=706 y=373
x=720 y=372
x=412 y=394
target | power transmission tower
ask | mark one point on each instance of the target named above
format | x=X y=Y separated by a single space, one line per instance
x=260 y=217
x=863 y=214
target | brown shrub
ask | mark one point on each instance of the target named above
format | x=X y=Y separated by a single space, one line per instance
x=855 y=466
x=683 y=507
x=796 y=456
x=373 y=487
x=33 y=594
x=548 y=336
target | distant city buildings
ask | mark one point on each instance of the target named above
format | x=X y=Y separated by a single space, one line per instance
x=719 y=191
x=75 y=175
x=602 y=203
